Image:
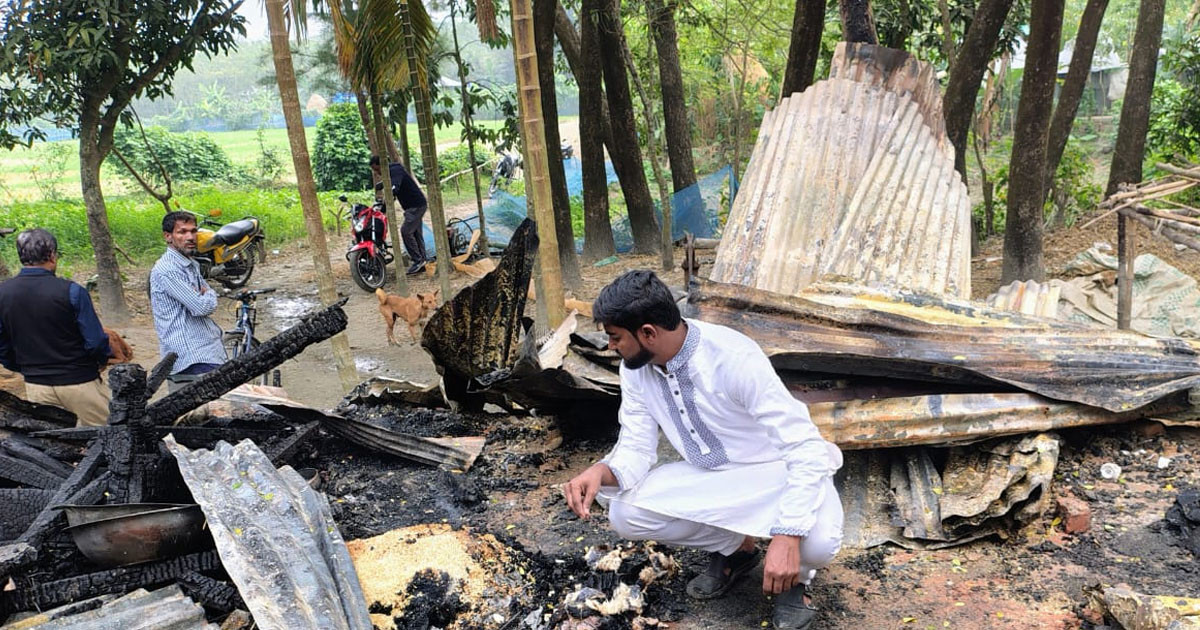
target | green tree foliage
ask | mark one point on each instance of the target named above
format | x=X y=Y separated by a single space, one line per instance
x=1175 y=107
x=191 y=156
x=341 y=154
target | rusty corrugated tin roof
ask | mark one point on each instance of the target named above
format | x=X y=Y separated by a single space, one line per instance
x=848 y=329
x=849 y=179
x=165 y=609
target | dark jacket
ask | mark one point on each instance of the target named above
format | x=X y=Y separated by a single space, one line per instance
x=49 y=331
x=405 y=187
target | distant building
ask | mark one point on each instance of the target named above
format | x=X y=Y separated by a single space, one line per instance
x=316 y=103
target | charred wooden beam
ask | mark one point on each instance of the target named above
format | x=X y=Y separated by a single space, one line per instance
x=84 y=473
x=118 y=580
x=476 y=332
x=27 y=474
x=213 y=594
x=30 y=451
x=282 y=450
x=18 y=508
x=312 y=329
x=160 y=373
x=16 y=413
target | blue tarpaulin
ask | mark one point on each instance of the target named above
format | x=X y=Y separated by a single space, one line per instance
x=697 y=209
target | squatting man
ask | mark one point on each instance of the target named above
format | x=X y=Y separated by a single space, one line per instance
x=754 y=465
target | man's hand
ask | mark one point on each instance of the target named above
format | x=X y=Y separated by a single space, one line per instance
x=781 y=567
x=581 y=490
x=203 y=289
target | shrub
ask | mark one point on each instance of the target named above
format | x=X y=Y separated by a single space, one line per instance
x=192 y=156
x=341 y=154
x=1174 y=134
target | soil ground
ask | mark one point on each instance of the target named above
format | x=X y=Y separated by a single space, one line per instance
x=1032 y=580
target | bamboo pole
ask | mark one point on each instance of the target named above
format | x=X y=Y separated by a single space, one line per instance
x=1125 y=254
x=433 y=187
x=537 y=165
x=1167 y=232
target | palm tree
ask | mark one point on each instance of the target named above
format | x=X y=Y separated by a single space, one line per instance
x=382 y=46
x=279 y=14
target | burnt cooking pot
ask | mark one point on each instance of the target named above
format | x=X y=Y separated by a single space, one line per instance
x=116 y=535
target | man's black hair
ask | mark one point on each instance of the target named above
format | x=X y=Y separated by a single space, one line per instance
x=169 y=221
x=36 y=246
x=634 y=299
x=374 y=160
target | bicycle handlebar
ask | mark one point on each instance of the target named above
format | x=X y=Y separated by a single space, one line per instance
x=244 y=296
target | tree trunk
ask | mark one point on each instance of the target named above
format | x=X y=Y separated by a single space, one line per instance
x=405 y=155
x=660 y=178
x=543 y=33
x=1073 y=86
x=958 y=104
x=389 y=199
x=675 y=115
x=433 y=186
x=1027 y=167
x=805 y=48
x=285 y=77
x=571 y=43
x=858 y=25
x=468 y=124
x=537 y=158
x=898 y=37
x=1130 y=148
x=597 y=224
x=369 y=129
x=624 y=151
x=112 y=292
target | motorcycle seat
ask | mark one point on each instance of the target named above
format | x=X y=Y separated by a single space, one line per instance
x=236 y=231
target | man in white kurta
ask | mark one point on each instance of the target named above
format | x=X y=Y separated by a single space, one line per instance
x=754 y=464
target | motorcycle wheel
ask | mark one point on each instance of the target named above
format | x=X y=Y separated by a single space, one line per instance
x=239 y=269
x=369 y=272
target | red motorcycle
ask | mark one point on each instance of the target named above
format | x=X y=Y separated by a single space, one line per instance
x=369 y=253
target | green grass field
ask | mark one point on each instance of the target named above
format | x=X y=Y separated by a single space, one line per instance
x=49 y=169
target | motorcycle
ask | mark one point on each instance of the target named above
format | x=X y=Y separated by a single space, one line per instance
x=510 y=163
x=226 y=252
x=369 y=252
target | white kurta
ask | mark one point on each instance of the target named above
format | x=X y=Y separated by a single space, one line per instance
x=754 y=462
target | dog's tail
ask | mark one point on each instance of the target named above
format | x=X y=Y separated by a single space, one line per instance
x=382 y=295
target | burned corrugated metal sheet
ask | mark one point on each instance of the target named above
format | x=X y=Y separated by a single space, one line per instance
x=853 y=330
x=165 y=609
x=277 y=539
x=902 y=496
x=1028 y=298
x=849 y=179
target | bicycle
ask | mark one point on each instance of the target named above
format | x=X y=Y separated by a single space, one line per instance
x=241 y=339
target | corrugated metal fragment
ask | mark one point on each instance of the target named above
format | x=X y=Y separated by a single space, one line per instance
x=1028 y=298
x=846 y=329
x=850 y=179
x=165 y=609
x=277 y=539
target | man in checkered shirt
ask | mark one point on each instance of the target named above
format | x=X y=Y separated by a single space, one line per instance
x=182 y=302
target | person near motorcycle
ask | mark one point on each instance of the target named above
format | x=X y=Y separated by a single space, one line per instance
x=182 y=302
x=412 y=200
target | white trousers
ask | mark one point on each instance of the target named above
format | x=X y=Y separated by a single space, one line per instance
x=817 y=549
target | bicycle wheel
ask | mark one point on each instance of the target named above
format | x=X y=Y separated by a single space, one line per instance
x=232 y=340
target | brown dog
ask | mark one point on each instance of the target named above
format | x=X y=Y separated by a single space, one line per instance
x=121 y=352
x=414 y=310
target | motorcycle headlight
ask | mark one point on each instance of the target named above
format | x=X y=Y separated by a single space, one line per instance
x=360 y=224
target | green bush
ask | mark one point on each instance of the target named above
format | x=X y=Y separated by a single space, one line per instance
x=450 y=161
x=1073 y=192
x=136 y=220
x=1174 y=134
x=187 y=157
x=341 y=154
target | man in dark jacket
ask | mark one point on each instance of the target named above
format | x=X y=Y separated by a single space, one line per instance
x=49 y=333
x=412 y=201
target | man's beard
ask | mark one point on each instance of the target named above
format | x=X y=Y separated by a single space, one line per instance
x=638 y=360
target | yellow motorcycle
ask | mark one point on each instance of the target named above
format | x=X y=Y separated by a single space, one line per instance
x=226 y=252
